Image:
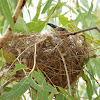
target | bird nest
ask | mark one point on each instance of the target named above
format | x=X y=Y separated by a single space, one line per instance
x=55 y=55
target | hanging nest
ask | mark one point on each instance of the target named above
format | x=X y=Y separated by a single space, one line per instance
x=52 y=52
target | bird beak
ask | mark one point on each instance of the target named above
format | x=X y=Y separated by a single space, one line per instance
x=52 y=25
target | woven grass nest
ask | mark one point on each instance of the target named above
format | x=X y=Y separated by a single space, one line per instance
x=53 y=54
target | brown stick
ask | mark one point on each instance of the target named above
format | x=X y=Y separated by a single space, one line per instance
x=18 y=10
x=8 y=34
x=73 y=33
x=51 y=13
x=9 y=81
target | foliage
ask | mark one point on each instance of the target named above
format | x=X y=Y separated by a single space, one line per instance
x=86 y=16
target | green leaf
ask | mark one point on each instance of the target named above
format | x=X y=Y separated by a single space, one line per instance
x=34 y=85
x=29 y=3
x=42 y=95
x=1 y=63
x=89 y=89
x=97 y=98
x=61 y=97
x=17 y=68
x=85 y=3
x=36 y=26
x=88 y=36
x=1 y=10
x=7 y=12
x=34 y=95
x=7 y=89
x=17 y=90
x=90 y=9
x=60 y=5
x=49 y=88
x=63 y=20
x=1 y=53
x=39 y=78
x=50 y=96
x=5 y=26
x=48 y=3
x=20 y=25
x=78 y=7
x=78 y=96
x=71 y=26
x=39 y=82
x=73 y=10
x=38 y=11
x=90 y=69
x=43 y=87
x=50 y=10
x=97 y=66
x=9 y=57
x=83 y=75
x=83 y=9
x=41 y=74
x=14 y=4
x=97 y=42
x=2 y=20
x=66 y=94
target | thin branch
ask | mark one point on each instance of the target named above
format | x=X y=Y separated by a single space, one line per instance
x=93 y=41
x=65 y=70
x=94 y=49
x=92 y=76
x=8 y=33
x=73 y=33
x=34 y=59
x=51 y=13
x=9 y=81
x=18 y=10
x=22 y=69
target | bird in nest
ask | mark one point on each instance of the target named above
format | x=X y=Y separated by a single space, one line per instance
x=58 y=30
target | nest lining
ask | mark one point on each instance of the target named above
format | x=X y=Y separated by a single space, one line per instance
x=73 y=48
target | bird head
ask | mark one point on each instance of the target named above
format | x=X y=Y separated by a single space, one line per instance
x=58 y=30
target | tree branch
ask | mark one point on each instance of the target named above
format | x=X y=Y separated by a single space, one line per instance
x=8 y=34
x=73 y=33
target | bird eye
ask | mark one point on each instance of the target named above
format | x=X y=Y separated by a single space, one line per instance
x=63 y=29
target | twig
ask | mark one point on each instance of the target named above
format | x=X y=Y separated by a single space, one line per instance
x=94 y=49
x=93 y=41
x=17 y=12
x=51 y=13
x=7 y=82
x=34 y=59
x=47 y=18
x=22 y=69
x=65 y=70
x=73 y=33
x=92 y=76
